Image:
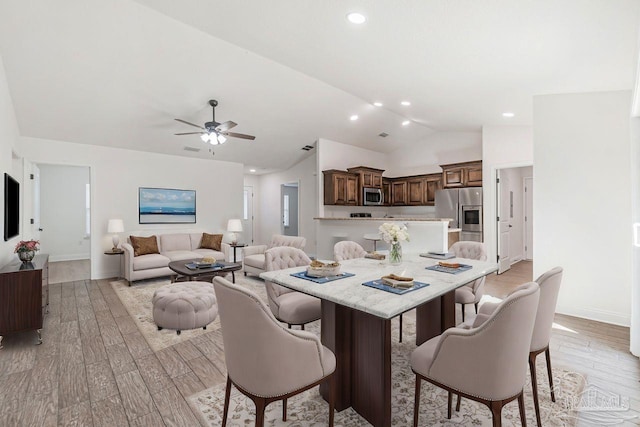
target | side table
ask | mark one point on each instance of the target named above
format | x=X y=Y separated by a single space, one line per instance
x=236 y=246
x=116 y=252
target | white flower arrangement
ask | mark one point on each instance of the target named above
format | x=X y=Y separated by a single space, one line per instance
x=393 y=233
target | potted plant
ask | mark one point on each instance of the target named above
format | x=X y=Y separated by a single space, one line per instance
x=26 y=249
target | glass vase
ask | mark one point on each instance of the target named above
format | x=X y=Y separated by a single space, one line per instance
x=26 y=256
x=395 y=253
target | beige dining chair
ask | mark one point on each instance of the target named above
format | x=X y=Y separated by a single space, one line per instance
x=265 y=361
x=348 y=249
x=549 y=283
x=472 y=292
x=288 y=306
x=485 y=363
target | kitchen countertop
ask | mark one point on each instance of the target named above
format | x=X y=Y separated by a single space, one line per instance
x=380 y=219
x=455 y=230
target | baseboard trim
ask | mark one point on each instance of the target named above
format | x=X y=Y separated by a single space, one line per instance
x=598 y=315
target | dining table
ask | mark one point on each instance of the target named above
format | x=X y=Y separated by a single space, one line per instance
x=356 y=320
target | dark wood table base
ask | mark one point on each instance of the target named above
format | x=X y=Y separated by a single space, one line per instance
x=362 y=345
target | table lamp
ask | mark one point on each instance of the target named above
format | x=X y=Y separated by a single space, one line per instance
x=234 y=226
x=115 y=226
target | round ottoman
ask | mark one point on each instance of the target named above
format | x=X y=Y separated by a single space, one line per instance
x=187 y=305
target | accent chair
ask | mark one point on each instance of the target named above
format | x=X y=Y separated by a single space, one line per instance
x=265 y=361
x=348 y=249
x=471 y=292
x=484 y=363
x=253 y=258
x=288 y=306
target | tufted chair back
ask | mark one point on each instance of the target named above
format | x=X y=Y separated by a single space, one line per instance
x=472 y=250
x=279 y=258
x=348 y=250
x=549 y=288
x=292 y=241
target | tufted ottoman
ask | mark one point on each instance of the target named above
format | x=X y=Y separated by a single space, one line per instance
x=188 y=305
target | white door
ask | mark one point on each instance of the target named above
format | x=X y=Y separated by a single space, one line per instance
x=504 y=227
x=528 y=218
x=247 y=217
x=35 y=191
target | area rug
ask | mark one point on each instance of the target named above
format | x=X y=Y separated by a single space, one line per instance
x=310 y=410
x=137 y=301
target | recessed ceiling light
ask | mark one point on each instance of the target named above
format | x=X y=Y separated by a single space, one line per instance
x=356 y=18
x=354 y=117
x=252 y=170
x=405 y=103
x=508 y=115
x=406 y=122
x=378 y=104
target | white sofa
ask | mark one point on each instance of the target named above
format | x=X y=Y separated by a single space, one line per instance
x=172 y=247
x=253 y=259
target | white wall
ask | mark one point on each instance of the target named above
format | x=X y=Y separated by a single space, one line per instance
x=63 y=212
x=253 y=181
x=438 y=148
x=303 y=172
x=582 y=208
x=9 y=142
x=116 y=175
x=502 y=147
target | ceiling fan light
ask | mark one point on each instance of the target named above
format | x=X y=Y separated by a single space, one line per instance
x=222 y=139
x=204 y=137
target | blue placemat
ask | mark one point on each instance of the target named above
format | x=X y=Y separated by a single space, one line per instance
x=379 y=285
x=438 y=267
x=192 y=266
x=303 y=275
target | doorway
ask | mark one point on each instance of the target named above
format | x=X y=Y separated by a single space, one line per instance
x=289 y=205
x=62 y=217
x=514 y=207
x=247 y=215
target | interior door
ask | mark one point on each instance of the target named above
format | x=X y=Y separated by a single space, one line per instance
x=247 y=217
x=504 y=226
x=35 y=225
x=528 y=218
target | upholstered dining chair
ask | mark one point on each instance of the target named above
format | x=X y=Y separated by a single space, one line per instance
x=253 y=257
x=288 y=306
x=549 y=283
x=485 y=363
x=348 y=249
x=471 y=292
x=265 y=361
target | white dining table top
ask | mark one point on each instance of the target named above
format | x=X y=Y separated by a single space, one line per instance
x=350 y=292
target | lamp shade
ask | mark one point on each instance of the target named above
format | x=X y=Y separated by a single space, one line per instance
x=115 y=226
x=234 y=226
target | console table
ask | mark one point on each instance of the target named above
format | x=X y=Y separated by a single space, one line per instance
x=24 y=296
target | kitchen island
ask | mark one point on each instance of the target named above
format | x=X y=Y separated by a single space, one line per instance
x=425 y=234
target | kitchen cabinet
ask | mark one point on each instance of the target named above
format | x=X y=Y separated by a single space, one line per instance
x=386 y=192
x=415 y=191
x=399 y=192
x=456 y=175
x=24 y=295
x=369 y=177
x=432 y=183
x=340 y=188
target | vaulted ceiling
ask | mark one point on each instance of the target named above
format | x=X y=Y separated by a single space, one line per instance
x=117 y=73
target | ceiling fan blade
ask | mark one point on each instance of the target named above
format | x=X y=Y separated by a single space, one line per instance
x=190 y=124
x=189 y=133
x=239 y=135
x=223 y=127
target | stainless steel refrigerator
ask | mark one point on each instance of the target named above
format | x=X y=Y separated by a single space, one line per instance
x=464 y=206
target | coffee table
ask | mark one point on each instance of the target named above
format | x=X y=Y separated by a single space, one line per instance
x=202 y=274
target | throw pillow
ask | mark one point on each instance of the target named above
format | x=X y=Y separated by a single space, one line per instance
x=144 y=245
x=211 y=241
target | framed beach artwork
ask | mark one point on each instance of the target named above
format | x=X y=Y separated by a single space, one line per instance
x=166 y=206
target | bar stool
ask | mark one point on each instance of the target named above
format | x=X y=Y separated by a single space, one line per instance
x=375 y=237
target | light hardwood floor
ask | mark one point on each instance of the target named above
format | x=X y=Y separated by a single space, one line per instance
x=95 y=368
x=69 y=271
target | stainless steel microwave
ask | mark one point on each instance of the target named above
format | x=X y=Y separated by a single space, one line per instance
x=372 y=196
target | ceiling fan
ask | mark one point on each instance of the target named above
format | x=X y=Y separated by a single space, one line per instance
x=213 y=132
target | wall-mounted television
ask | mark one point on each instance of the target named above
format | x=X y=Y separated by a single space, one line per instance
x=11 y=207
x=166 y=206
